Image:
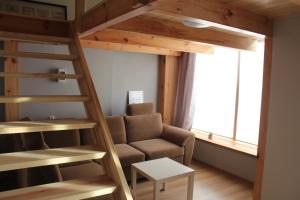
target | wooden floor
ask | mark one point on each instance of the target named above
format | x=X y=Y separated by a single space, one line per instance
x=210 y=184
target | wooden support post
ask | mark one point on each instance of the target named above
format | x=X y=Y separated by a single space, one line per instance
x=11 y=85
x=263 y=120
x=79 y=11
x=168 y=69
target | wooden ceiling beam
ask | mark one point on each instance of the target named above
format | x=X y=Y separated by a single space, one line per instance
x=270 y=8
x=295 y=1
x=126 y=38
x=170 y=29
x=113 y=46
x=220 y=14
x=112 y=12
x=11 y=23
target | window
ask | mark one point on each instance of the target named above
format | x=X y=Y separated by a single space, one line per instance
x=227 y=92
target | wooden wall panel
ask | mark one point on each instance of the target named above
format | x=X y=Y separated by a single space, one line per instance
x=169 y=68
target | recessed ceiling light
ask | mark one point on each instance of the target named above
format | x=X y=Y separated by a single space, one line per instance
x=195 y=24
x=199 y=23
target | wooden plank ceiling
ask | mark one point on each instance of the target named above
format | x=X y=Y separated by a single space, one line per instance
x=270 y=8
x=163 y=20
x=170 y=29
x=234 y=23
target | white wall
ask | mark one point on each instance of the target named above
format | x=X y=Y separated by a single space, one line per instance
x=114 y=74
x=282 y=164
x=91 y=3
x=135 y=73
x=71 y=5
x=230 y=161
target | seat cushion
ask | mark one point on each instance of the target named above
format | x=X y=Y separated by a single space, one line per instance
x=66 y=138
x=143 y=127
x=117 y=129
x=87 y=137
x=158 y=148
x=129 y=155
x=140 y=109
x=82 y=170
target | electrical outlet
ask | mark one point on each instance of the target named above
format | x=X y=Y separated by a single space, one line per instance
x=51 y=117
x=61 y=71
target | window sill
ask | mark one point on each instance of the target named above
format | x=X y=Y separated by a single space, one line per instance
x=241 y=147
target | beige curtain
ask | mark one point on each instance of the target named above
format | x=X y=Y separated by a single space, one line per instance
x=184 y=106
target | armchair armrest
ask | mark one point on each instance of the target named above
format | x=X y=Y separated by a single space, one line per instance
x=176 y=135
x=181 y=137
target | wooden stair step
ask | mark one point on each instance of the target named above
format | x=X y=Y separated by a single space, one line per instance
x=23 y=37
x=39 y=75
x=68 y=190
x=28 y=159
x=43 y=99
x=6 y=53
x=46 y=125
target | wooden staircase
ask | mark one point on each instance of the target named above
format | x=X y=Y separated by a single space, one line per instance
x=114 y=181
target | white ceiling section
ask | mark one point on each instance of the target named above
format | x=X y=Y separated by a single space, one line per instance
x=91 y=3
x=71 y=5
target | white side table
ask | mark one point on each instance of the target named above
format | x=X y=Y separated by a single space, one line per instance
x=160 y=171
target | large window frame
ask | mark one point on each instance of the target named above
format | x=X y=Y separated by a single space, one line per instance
x=232 y=142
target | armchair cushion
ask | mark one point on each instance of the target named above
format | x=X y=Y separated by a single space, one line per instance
x=87 y=137
x=59 y=139
x=36 y=175
x=128 y=155
x=82 y=170
x=143 y=127
x=140 y=109
x=117 y=129
x=176 y=135
x=158 y=148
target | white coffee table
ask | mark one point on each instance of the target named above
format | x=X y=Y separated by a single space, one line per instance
x=160 y=171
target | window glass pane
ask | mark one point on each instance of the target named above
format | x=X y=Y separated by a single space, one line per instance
x=251 y=76
x=215 y=91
